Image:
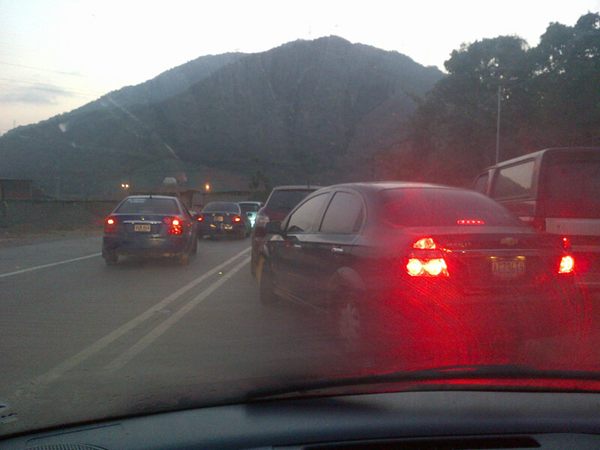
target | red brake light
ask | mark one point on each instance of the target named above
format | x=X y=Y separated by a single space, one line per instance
x=200 y=218
x=427 y=261
x=175 y=225
x=567 y=265
x=237 y=219
x=566 y=243
x=425 y=244
x=110 y=225
x=470 y=222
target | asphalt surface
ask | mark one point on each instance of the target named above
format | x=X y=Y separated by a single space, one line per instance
x=82 y=341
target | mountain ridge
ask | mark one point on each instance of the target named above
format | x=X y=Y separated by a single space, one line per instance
x=296 y=111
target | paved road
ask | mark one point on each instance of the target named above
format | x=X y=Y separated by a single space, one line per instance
x=79 y=340
x=73 y=331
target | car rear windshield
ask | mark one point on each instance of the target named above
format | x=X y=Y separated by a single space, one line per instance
x=249 y=207
x=412 y=207
x=221 y=207
x=148 y=205
x=285 y=200
x=572 y=189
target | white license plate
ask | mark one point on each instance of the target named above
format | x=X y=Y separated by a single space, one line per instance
x=508 y=268
x=218 y=218
x=142 y=227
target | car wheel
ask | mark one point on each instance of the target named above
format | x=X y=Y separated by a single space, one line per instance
x=265 y=283
x=349 y=323
x=111 y=258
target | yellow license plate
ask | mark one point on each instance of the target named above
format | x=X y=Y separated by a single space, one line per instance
x=218 y=218
x=142 y=227
x=508 y=268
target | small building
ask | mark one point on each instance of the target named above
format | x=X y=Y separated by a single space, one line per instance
x=16 y=189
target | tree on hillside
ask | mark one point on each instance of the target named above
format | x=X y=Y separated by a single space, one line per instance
x=567 y=83
x=549 y=95
x=454 y=128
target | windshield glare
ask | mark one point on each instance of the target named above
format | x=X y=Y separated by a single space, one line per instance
x=140 y=139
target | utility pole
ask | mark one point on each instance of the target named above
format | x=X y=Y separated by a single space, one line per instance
x=498 y=124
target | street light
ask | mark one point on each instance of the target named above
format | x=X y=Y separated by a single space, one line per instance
x=207 y=187
x=125 y=186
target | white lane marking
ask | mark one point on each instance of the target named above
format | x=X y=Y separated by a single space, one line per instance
x=56 y=372
x=161 y=328
x=44 y=266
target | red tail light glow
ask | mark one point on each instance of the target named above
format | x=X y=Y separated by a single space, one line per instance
x=175 y=225
x=425 y=244
x=200 y=219
x=429 y=267
x=427 y=261
x=470 y=222
x=567 y=265
x=110 y=225
x=566 y=243
x=236 y=219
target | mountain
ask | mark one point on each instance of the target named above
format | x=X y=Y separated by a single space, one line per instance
x=305 y=111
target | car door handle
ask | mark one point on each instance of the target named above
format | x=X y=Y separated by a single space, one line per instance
x=337 y=250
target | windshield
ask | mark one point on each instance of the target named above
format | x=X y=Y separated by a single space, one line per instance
x=442 y=208
x=249 y=207
x=140 y=139
x=142 y=205
x=284 y=200
x=221 y=207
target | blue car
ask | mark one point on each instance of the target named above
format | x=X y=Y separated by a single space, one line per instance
x=149 y=225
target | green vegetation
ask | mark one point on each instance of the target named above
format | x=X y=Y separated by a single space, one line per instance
x=550 y=96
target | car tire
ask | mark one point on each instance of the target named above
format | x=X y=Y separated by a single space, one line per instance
x=265 y=284
x=111 y=258
x=349 y=323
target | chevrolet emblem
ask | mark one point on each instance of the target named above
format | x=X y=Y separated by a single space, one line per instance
x=509 y=241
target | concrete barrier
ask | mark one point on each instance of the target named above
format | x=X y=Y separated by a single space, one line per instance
x=41 y=215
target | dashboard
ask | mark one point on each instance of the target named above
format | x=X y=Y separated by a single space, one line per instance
x=410 y=420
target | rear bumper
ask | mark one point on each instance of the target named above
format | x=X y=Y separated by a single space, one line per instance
x=221 y=229
x=147 y=246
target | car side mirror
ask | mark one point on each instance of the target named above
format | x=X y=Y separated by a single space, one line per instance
x=274 y=227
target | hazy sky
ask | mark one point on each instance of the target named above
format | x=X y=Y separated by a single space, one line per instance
x=56 y=55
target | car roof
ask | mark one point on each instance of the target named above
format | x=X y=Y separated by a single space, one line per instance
x=376 y=186
x=297 y=187
x=542 y=152
x=152 y=196
x=251 y=202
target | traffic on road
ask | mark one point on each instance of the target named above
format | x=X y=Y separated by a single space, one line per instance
x=299 y=225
